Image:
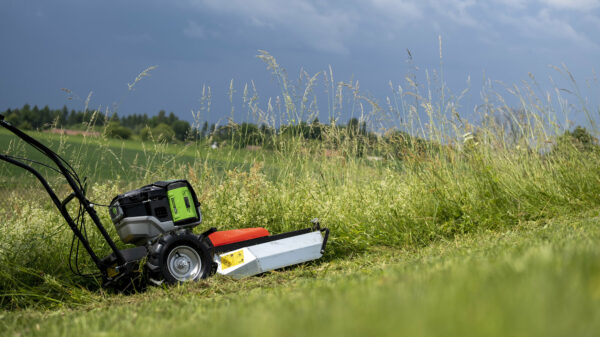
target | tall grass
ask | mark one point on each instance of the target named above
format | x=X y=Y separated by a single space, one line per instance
x=466 y=173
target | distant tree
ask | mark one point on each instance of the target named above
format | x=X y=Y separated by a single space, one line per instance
x=580 y=138
x=145 y=133
x=64 y=114
x=114 y=118
x=116 y=130
x=181 y=129
x=25 y=125
x=161 y=118
x=583 y=137
x=172 y=119
x=33 y=117
x=352 y=127
x=400 y=144
x=248 y=134
x=13 y=117
x=315 y=129
x=163 y=132
x=45 y=117
x=73 y=118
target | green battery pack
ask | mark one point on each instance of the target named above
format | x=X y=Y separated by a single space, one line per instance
x=182 y=204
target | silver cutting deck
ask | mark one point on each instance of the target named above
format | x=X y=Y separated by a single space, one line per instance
x=256 y=259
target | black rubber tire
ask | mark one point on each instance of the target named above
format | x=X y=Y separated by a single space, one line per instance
x=158 y=253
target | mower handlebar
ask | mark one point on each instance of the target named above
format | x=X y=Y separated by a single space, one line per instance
x=75 y=185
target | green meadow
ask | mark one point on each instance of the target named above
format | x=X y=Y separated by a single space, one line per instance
x=451 y=227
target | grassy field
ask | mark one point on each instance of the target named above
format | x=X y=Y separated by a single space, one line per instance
x=462 y=243
x=490 y=229
x=104 y=158
x=538 y=279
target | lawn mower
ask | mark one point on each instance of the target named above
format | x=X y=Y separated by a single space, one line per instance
x=158 y=220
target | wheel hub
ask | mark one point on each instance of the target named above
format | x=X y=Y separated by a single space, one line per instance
x=184 y=263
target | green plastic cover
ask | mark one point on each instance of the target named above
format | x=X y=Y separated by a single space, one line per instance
x=182 y=204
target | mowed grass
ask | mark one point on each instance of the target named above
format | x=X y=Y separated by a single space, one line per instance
x=538 y=279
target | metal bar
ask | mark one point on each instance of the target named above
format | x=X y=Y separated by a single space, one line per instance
x=61 y=207
x=78 y=192
x=326 y=230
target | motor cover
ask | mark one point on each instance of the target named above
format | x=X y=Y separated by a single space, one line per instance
x=145 y=213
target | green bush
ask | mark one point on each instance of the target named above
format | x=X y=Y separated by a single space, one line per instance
x=116 y=130
x=579 y=138
x=160 y=133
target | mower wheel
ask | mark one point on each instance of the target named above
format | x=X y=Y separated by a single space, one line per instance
x=178 y=257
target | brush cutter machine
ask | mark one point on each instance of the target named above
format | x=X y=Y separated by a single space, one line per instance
x=158 y=219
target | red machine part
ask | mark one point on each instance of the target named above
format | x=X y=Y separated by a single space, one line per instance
x=236 y=235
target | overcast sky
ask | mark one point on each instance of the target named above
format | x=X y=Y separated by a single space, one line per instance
x=101 y=46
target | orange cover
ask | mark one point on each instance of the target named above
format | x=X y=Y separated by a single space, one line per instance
x=236 y=235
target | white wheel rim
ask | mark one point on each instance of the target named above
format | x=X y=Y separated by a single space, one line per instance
x=184 y=263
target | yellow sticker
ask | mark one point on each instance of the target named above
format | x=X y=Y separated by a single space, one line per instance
x=232 y=259
x=112 y=271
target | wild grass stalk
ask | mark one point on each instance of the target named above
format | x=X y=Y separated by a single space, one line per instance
x=427 y=171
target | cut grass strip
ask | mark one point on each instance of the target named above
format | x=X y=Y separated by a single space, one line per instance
x=537 y=279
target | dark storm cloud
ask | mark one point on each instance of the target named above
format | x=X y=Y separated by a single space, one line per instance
x=102 y=46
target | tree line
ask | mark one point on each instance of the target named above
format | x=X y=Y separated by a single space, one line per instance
x=169 y=128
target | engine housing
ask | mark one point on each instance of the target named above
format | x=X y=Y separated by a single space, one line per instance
x=145 y=213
